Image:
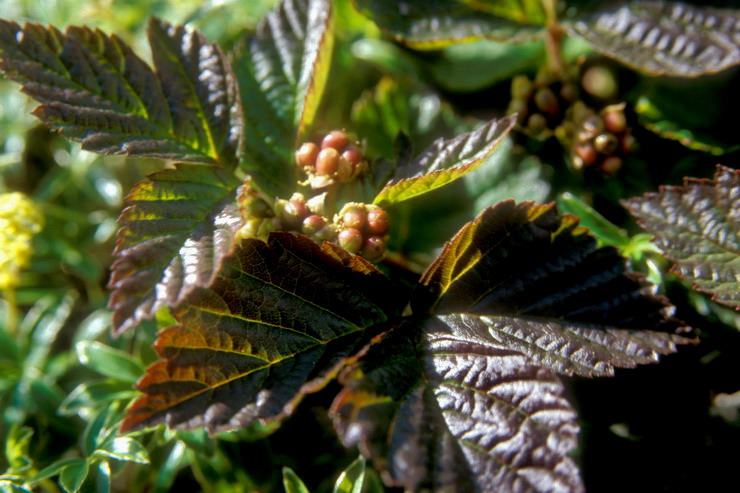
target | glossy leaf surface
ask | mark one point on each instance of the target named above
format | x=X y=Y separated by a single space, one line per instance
x=432 y=24
x=445 y=161
x=456 y=412
x=671 y=38
x=175 y=234
x=95 y=90
x=698 y=227
x=280 y=315
x=282 y=71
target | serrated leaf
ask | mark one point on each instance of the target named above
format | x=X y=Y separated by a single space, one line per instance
x=73 y=475
x=667 y=38
x=95 y=90
x=698 y=227
x=549 y=291
x=445 y=161
x=176 y=231
x=437 y=411
x=432 y=24
x=124 y=449
x=278 y=318
x=108 y=361
x=282 y=72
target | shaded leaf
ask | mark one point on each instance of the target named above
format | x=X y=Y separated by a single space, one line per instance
x=698 y=227
x=176 y=231
x=281 y=314
x=73 y=475
x=445 y=161
x=670 y=38
x=53 y=469
x=95 y=90
x=94 y=394
x=440 y=411
x=124 y=449
x=108 y=361
x=432 y=24
x=282 y=72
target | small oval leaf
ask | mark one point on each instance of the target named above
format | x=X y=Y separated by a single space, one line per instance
x=352 y=479
x=124 y=449
x=292 y=483
x=73 y=475
x=108 y=361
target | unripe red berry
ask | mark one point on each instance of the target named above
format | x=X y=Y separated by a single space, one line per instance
x=587 y=153
x=599 y=81
x=352 y=155
x=569 y=92
x=627 y=144
x=606 y=143
x=614 y=121
x=355 y=217
x=335 y=139
x=350 y=239
x=327 y=161
x=536 y=123
x=374 y=248
x=306 y=155
x=521 y=87
x=590 y=126
x=312 y=224
x=611 y=165
x=378 y=222
x=546 y=101
x=293 y=214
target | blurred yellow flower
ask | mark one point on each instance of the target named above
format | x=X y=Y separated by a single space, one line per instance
x=20 y=219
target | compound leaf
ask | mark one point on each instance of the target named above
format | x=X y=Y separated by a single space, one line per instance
x=670 y=38
x=547 y=290
x=176 y=232
x=445 y=161
x=95 y=90
x=438 y=409
x=432 y=24
x=282 y=72
x=698 y=227
x=278 y=319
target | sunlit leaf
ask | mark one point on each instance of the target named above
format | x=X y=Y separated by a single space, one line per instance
x=282 y=72
x=441 y=411
x=292 y=483
x=95 y=90
x=91 y=394
x=432 y=24
x=73 y=475
x=352 y=478
x=177 y=230
x=445 y=161
x=124 y=449
x=108 y=361
x=281 y=314
x=698 y=227
x=670 y=38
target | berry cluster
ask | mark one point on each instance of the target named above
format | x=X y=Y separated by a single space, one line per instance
x=541 y=103
x=305 y=217
x=599 y=141
x=363 y=230
x=337 y=159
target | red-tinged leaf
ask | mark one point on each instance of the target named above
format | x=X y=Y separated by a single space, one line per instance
x=698 y=227
x=175 y=234
x=667 y=38
x=95 y=90
x=433 y=24
x=442 y=411
x=280 y=317
x=445 y=161
x=282 y=72
x=548 y=291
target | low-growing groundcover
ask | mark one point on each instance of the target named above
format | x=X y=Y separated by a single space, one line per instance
x=301 y=276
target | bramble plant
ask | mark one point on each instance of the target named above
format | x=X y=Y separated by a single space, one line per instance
x=278 y=252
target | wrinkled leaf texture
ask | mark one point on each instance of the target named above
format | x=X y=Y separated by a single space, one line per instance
x=175 y=233
x=445 y=161
x=667 y=38
x=95 y=90
x=465 y=397
x=277 y=320
x=282 y=72
x=433 y=24
x=698 y=227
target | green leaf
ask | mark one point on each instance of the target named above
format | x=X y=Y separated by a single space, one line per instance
x=177 y=230
x=282 y=72
x=292 y=483
x=666 y=38
x=94 y=394
x=17 y=443
x=605 y=231
x=73 y=475
x=439 y=411
x=432 y=24
x=697 y=227
x=548 y=291
x=8 y=486
x=274 y=324
x=445 y=161
x=112 y=363
x=53 y=469
x=124 y=449
x=352 y=479
x=95 y=90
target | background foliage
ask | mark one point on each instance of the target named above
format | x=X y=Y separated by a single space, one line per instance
x=65 y=381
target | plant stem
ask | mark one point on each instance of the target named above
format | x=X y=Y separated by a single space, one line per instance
x=553 y=40
x=11 y=314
